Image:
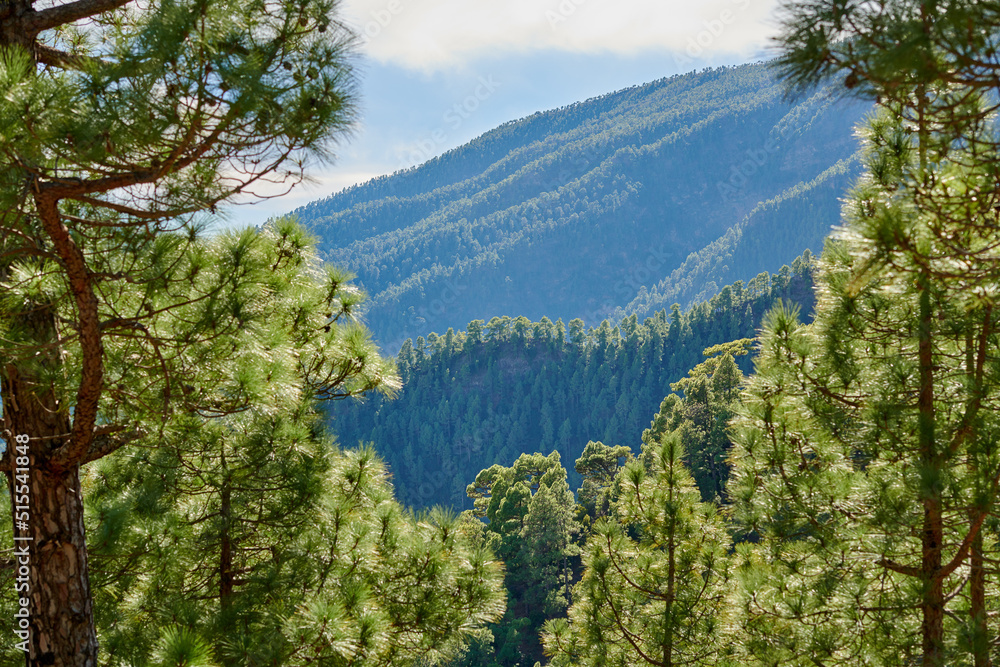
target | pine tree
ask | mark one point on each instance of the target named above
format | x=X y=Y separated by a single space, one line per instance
x=533 y=528
x=261 y=324
x=599 y=465
x=700 y=419
x=118 y=124
x=654 y=588
x=865 y=460
x=548 y=539
x=877 y=419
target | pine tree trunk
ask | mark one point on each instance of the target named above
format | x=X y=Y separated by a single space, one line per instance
x=11 y=11
x=62 y=630
x=668 y=610
x=226 y=579
x=932 y=627
x=932 y=533
x=977 y=584
x=61 y=604
x=974 y=362
x=61 y=610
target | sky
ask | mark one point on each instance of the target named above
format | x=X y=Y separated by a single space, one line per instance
x=435 y=74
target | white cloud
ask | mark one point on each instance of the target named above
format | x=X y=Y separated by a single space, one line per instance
x=438 y=34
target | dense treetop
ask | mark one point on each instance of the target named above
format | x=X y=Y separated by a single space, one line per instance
x=510 y=386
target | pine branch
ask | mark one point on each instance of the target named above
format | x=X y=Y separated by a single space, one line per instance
x=901 y=569
x=46 y=55
x=91 y=347
x=108 y=441
x=54 y=17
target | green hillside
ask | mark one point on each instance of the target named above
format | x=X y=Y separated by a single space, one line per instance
x=511 y=386
x=753 y=243
x=570 y=212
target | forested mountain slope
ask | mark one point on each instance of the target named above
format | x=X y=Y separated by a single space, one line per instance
x=512 y=386
x=783 y=226
x=569 y=212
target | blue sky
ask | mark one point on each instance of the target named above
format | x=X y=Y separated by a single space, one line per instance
x=436 y=73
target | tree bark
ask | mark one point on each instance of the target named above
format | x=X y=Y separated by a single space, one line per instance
x=61 y=604
x=932 y=532
x=226 y=578
x=977 y=595
x=13 y=14
x=61 y=609
x=668 y=608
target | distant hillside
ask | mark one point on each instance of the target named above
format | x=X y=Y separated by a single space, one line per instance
x=570 y=212
x=753 y=243
x=511 y=386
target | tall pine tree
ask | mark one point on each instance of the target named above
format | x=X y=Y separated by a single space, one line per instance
x=866 y=461
x=654 y=587
x=533 y=528
x=118 y=124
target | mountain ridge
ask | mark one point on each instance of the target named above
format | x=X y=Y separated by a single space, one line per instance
x=571 y=212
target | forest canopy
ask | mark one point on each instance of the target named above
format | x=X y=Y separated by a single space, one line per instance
x=818 y=484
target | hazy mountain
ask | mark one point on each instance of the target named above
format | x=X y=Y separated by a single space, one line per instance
x=572 y=212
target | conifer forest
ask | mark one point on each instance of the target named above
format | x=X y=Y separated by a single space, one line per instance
x=701 y=372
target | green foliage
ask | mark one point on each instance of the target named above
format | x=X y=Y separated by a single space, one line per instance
x=258 y=536
x=719 y=368
x=487 y=396
x=532 y=526
x=248 y=330
x=107 y=155
x=890 y=50
x=206 y=326
x=180 y=647
x=599 y=465
x=700 y=419
x=864 y=457
x=225 y=94
x=654 y=587
x=614 y=193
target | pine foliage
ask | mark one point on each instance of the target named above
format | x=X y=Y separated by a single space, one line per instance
x=259 y=538
x=655 y=582
x=865 y=459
